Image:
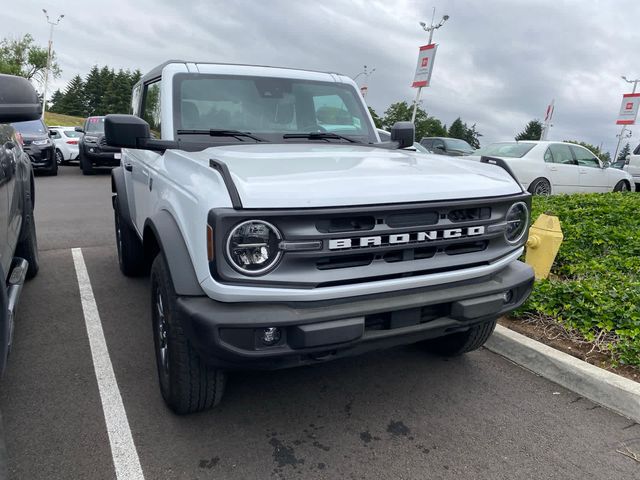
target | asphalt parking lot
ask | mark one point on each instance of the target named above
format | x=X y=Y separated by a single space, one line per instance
x=398 y=414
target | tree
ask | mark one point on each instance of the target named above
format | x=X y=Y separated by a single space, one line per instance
x=426 y=126
x=72 y=102
x=25 y=59
x=93 y=90
x=457 y=129
x=604 y=157
x=533 y=131
x=471 y=136
x=376 y=118
x=626 y=150
x=55 y=100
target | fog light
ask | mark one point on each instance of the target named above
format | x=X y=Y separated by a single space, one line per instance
x=92 y=150
x=508 y=296
x=270 y=336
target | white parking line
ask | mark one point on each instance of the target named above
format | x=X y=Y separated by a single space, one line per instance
x=123 y=450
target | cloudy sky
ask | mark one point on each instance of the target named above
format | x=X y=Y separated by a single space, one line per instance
x=499 y=62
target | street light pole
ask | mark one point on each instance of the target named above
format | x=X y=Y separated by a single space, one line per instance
x=49 y=51
x=367 y=74
x=621 y=135
x=431 y=28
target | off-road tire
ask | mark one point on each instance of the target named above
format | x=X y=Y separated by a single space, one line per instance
x=131 y=258
x=85 y=166
x=540 y=186
x=187 y=383
x=622 y=186
x=462 y=342
x=27 y=247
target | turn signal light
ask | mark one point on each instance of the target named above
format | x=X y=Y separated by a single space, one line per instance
x=210 y=249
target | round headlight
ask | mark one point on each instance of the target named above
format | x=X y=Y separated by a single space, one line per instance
x=253 y=247
x=517 y=222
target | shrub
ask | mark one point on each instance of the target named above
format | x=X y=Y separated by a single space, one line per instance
x=594 y=287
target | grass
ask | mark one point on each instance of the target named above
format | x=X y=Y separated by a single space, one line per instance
x=62 y=120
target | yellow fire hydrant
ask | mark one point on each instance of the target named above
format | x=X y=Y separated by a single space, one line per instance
x=545 y=237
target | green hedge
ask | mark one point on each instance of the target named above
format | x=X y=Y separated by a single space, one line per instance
x=594 y=287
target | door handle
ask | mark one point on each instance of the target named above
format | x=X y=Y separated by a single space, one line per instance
x=128 y=167
x=553 y=169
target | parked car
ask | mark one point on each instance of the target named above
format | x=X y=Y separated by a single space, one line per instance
x=273 y=243
x=545 y=168
x=454 y=147
x=632 y=166
x=93 y=149
x=19 y=105
x=66 y=141
x=38 y=145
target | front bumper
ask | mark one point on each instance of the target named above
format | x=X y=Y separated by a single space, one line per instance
x=101 y=156
x=41 y=157
x=227 y=335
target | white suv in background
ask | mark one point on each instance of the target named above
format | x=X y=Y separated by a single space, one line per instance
x=632 y=166
x=66 y=141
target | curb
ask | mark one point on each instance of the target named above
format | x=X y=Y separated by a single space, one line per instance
x=600 y=386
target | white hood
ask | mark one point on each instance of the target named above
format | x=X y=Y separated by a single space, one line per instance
x=327 y=175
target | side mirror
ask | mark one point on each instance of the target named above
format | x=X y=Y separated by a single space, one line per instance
x=52 y=133
x=403 y=133
x=605 y=165
x=129 y=131
x=440 y=147
x=79 y=129
x=627 y=159
x=18 y=100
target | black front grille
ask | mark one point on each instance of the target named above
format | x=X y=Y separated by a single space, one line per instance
x=363 y=244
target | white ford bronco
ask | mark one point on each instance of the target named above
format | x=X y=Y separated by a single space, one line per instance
x=279 y=231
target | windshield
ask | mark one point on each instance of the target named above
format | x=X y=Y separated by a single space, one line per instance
x=269 y=107
x=457 y=144
x=95 y=125
x=31 y=127
x=71 y=133
x=506 y=149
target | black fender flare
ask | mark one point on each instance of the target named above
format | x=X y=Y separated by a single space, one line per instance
x=174 y=249
x=119 y=191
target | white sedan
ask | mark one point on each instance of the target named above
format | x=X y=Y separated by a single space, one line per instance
x=66 y=141
x=545 y=168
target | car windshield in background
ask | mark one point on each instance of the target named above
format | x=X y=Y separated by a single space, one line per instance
x=95 y=125
x=270 y=107
x=71 y=133
x=31 y=127
x=456 y=144
x=506 y=149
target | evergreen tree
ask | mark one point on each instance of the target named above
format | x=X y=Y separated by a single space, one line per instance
x=93 y=90
x=471 y=136
x=533 y=131
x=457 y=129
x=626 y=150
x=72 y=102
x=54 y=102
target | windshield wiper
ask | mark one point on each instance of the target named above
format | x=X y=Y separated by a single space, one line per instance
x=220 y=132
x=320 y=136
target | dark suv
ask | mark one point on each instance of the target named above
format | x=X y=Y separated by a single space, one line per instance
x=93 y=151
x=38 y=145
x=454 y=147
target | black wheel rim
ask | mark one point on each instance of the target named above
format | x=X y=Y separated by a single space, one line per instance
x=161 y=334
x=542 y=188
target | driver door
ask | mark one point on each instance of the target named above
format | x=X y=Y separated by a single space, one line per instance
x=593 y=178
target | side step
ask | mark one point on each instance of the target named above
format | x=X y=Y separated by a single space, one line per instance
x=14 y=288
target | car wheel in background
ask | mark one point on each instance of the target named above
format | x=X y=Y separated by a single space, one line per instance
x=541 y=186
x=621 y=186
x=59 y=157
x=85 y=166
x=187 y=383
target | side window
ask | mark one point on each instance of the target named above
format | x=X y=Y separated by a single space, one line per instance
x=438 y=144
x=585 y=158
x=562 y=154
x=151 y=107
x=548 y=156
x=428 y=144
x=55 y=134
